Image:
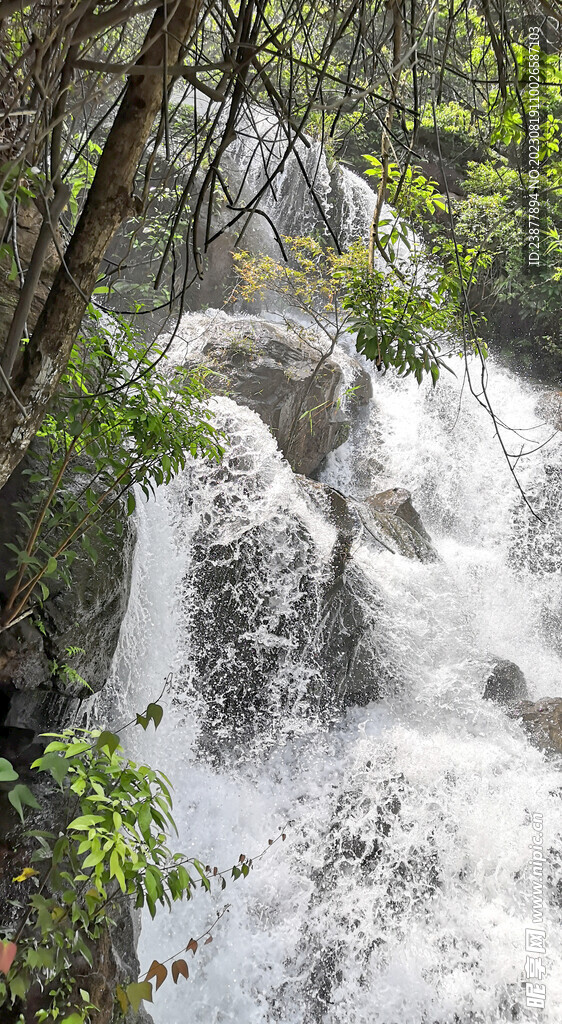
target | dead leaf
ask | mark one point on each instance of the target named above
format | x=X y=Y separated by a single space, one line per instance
x=158 y=971
x=8 y=952
x=179 y=967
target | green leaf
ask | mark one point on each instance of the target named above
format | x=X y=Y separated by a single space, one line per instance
x=145 y=819
x=19 y=986
x=116 y=870
x=20 y=795
x=84 y=822
x=7 y=773
x=110 y=740
x=55 y=764
x=94 y=858
x=138 y=991
x=40 y=957
x=155 y=712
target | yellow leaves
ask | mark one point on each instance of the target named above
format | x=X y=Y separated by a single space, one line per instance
x=305 y=277
x=25 y=874
x=122 y=999
x=138 y=991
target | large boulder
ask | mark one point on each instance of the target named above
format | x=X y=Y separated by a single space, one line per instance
x=287 y=378
x=541 y=720
x=505 y=683
x=388 y=518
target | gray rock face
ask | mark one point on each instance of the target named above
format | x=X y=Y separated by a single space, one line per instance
x=393 y=515
x=348 y=650
x=389 y=519
x=287 y=379
x=87 y=616
x=506 y=683
x=542 y=720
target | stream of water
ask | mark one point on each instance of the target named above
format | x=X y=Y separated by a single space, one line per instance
x=403 y=890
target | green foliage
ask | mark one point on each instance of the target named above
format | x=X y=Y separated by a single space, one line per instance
x=305 y=282
x=18 y=794
x=397 y=312
x=404 y=301
x=113 y=846
x=489 y=225
x=453 y=119
x=114 y=842
x=122 y=417
x=394 y=324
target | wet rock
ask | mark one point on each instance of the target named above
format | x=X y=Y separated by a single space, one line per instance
x=542 y=720
x=506 y=683
x=388 y=519
x=245 y=647
x=365 y=850
x=348 y=653
x=286 y=378
x=351 y=643
x=395 y=520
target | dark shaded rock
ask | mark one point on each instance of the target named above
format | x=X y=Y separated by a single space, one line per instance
x=350 y=607
x=351 y=639
x=287 y=379
x=347 y=650
x=33 y=652
x=542 y=721
x=506 y=683
x=236 y=607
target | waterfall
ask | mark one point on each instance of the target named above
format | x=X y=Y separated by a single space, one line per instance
x=403 y=890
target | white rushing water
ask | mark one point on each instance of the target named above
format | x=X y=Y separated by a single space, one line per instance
x=403 y=890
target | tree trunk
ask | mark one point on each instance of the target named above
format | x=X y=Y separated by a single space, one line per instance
x=43 y=361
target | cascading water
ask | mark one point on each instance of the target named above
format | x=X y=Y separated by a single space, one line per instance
x=403 y=891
